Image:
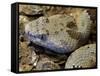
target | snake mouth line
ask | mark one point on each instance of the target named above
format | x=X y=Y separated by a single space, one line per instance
x=41 y=40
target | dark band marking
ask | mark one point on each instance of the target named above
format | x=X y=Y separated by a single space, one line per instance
x=71 y=25
x=74 y=34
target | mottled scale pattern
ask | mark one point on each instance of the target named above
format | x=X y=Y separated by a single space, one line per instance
x=60 y=33
x=84 y=57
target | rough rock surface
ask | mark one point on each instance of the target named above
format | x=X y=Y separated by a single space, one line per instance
x=30 y=9
x=45 y=63
x=25 y=57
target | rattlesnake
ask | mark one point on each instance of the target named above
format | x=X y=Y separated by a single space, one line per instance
x=60 y=33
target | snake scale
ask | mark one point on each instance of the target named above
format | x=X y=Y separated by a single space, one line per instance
x=60 y=33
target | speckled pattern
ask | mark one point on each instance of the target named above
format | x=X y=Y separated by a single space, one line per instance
x=56 y=37
x=60 y=33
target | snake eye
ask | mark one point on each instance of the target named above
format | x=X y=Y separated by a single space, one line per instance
x=41 y=37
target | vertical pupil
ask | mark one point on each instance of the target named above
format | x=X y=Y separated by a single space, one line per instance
x=41 y=36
